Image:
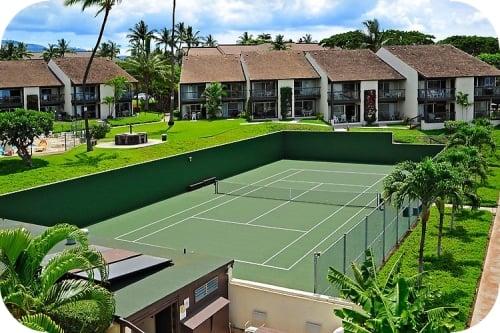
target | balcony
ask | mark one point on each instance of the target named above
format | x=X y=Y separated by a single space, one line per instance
x=308 y=92
x=438 y=116
x=192 y=96
x=391 y=95
x=51 y=99
x=263 y=94
x=346 y=96
x=445 y=94
x=487 y=92
x=234 y=95
x=11 y=102
x=87 y=97
x=126 y=96
x=487 y=114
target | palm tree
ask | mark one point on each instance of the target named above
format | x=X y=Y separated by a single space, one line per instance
x=417 y=181
x=462 y=99
x=213 y=94
x=14 y=51
x=307 y=38
x=120 y=85
x=140 y=33
x=180 y=32
x=164 y=39
x=50 y=52
x=473 y=135
x=104 y=6
x=33 y=291
x=210 y=41
x=109 y=50
x=264 y=38
x=63 y=47
x=374 y=37
x=192 y=38
x=395 y=304
x=279 y=43
x=172 y=67
x=245 y=39
x=22 y=51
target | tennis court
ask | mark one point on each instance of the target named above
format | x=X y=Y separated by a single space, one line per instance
x=271 y=220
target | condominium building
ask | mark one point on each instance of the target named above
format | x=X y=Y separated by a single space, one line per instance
x=57 y=87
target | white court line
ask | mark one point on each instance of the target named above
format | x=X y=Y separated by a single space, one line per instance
x=348 y=172
x=283 y=204
x=262 y=265
x=322 y=221
x=212 y=208
x=152 y=245
x=336 y=184
x=192 y=207
x=248 y=225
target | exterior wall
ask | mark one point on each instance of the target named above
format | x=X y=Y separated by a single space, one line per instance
x=465 y=85
x=323 y=101
x=248 y=83
x=282 y=309
x=105 y=91
x=410 y=104
x=68 y=107
x=282 y=84
x=31 y=91
x=367 y=85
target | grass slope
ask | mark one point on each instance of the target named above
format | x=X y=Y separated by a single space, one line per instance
x=457 y=272
x=489 y=192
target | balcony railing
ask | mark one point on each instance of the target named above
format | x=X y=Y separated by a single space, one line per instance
x=84 y=97
x=389 y=116
x=11 y=101
x=439 y=117
x=488 y=114
x=393 y=94
x=304 y=112
x=308 y=92
x=126 y=97
x=436 y=94
x=263 y=93
x=192 y=96
x=234 y=94
x=344 y=96
x=48 y=99
x=487 y=92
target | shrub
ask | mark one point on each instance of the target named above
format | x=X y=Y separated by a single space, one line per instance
x=99 y=131
x=452 y=126
x=82 y=317
x=286 y=101
x=485 y=122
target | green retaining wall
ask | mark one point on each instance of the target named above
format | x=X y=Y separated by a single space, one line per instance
x=355 y=147
x=90 y=199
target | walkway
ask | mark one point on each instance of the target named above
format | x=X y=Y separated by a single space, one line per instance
x=490 y=279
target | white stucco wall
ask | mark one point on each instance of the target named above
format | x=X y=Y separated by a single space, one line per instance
x=410 y=104
x=68 y=107
x=31 y=91
x=367 y=85
x=105 y=91
x=323 y=101
x=466 y=86
x=282 y=84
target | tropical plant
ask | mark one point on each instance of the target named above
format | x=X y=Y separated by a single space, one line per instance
x=109 y=50
x=120 y=86
x=462 y=99
x=99 y=130
x=172 y=68
x=279 y=43
x=264 y=38
x=395 y=304
x=473 y=135
x=213 y=94
x=347 y=40
x=417 y=181
x=63 y=47
x=210 y=41
x=110 y=102
x=245 y=39
x=307 y=38
x=286 y=101
x=21 y=127
x=164 y=39
x=191 y=38
x=32 y=290
x=14 y=51
x=140 y=34
x=474 y=45
x=50 y=52
x=490 y=58
x=103 y=6
x=374 y=37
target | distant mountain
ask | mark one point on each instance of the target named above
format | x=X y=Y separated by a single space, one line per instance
x=36 y=48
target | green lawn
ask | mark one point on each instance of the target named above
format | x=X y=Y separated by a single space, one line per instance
x=489 y=192
x=405 y=135
x=457 y=272
x=138 y=118
x=184 y=136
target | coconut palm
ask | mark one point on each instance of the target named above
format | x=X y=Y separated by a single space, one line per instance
x=172 y=67
x=22 y=51
x=307 y=38
x=209 y=41
x=50 y=52
x=63 y=47
x=14 y=51
x=374 y=37
x=120 y=85
x=103 y=6
x=245 y=39
x=279 y=43
x=395 y=304
x=191 y=38
x=140 y=33
x=473 y=135
x=213 y=94
x=462 y=99
x=164 y=39
x=417 y=181
x=264 y=38
x=109 y=50
x=32 y=288
x=180 y=32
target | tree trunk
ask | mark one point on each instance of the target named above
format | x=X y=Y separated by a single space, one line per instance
x=171 y=118
x=440 y=229
x=425 y=218
x=25 y=155
x=453 y=212
x=85 y=77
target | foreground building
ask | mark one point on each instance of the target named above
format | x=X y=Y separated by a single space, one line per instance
x=57 y=87
x=417 y=84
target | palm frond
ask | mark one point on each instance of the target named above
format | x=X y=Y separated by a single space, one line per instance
x=12 y=243
x=42 y=323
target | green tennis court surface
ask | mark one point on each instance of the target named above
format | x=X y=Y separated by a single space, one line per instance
x=271 y=220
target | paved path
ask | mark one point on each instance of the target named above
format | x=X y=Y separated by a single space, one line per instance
x=490 y=279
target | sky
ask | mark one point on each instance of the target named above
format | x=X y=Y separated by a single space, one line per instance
x=49 y=21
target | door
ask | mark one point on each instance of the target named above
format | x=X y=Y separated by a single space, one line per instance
x=166 y=320
x=32 y=102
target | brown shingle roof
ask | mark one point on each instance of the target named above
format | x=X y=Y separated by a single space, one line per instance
x=279 y=65
x=201 y=51
x=354 y=65
x=221 y=68
x=267 y=47
x=102 y=70
x=442 y=61
x=26 y=73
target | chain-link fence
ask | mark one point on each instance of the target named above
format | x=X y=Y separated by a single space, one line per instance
x=381 y=230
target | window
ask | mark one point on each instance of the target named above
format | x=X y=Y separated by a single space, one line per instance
x=488 y=81
x=304 y=108
x=206 y=289
x=264 y=110
x=388 y=112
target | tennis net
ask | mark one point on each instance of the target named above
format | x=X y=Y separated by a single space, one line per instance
x=354 y=199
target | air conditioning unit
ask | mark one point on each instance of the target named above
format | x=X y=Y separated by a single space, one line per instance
x=251 y=329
